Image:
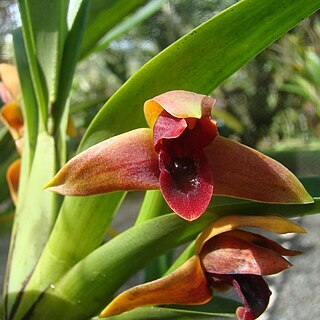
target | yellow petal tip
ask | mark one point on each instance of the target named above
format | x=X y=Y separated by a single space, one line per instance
x=52 y=185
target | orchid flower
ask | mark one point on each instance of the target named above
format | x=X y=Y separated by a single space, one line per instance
x=225 y=256
x=183 y=155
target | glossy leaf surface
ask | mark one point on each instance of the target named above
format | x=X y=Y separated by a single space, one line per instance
x=200 y=61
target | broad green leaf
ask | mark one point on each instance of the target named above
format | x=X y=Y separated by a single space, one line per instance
x=104 y=15
x=153 y=206
x=128 y=23
x=158 y=267
x=199 y=61
x=79 y=229
x=35 y=216
x=88 y=284
x=44 y=28
x=17 y=250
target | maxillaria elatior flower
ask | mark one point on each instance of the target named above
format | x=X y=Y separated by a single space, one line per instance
x=183 y=155
x=225 y=256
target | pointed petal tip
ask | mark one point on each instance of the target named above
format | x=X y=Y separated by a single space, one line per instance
x=57 y=185
x=50 y=186
x=242 y=172
x=307 y=199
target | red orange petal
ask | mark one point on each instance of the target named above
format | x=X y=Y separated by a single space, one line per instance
x=242 y=172
x=124 y=162
x=180 y=104
x=225 y=254
x=187 y=286
x=270 y=223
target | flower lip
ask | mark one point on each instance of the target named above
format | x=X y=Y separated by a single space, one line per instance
x=185 y=177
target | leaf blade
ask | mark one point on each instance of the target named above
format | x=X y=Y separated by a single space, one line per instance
x=192 y=60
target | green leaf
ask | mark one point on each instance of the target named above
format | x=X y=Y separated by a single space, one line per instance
x=158 y=267
x=128 y=23
x=35 y=216
x=68 y=64
x=79 y=229
x=69 y=60
x=29 y=103
x=200 y=61
x=104 y=15
x=89 y=286
x=44 y=28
